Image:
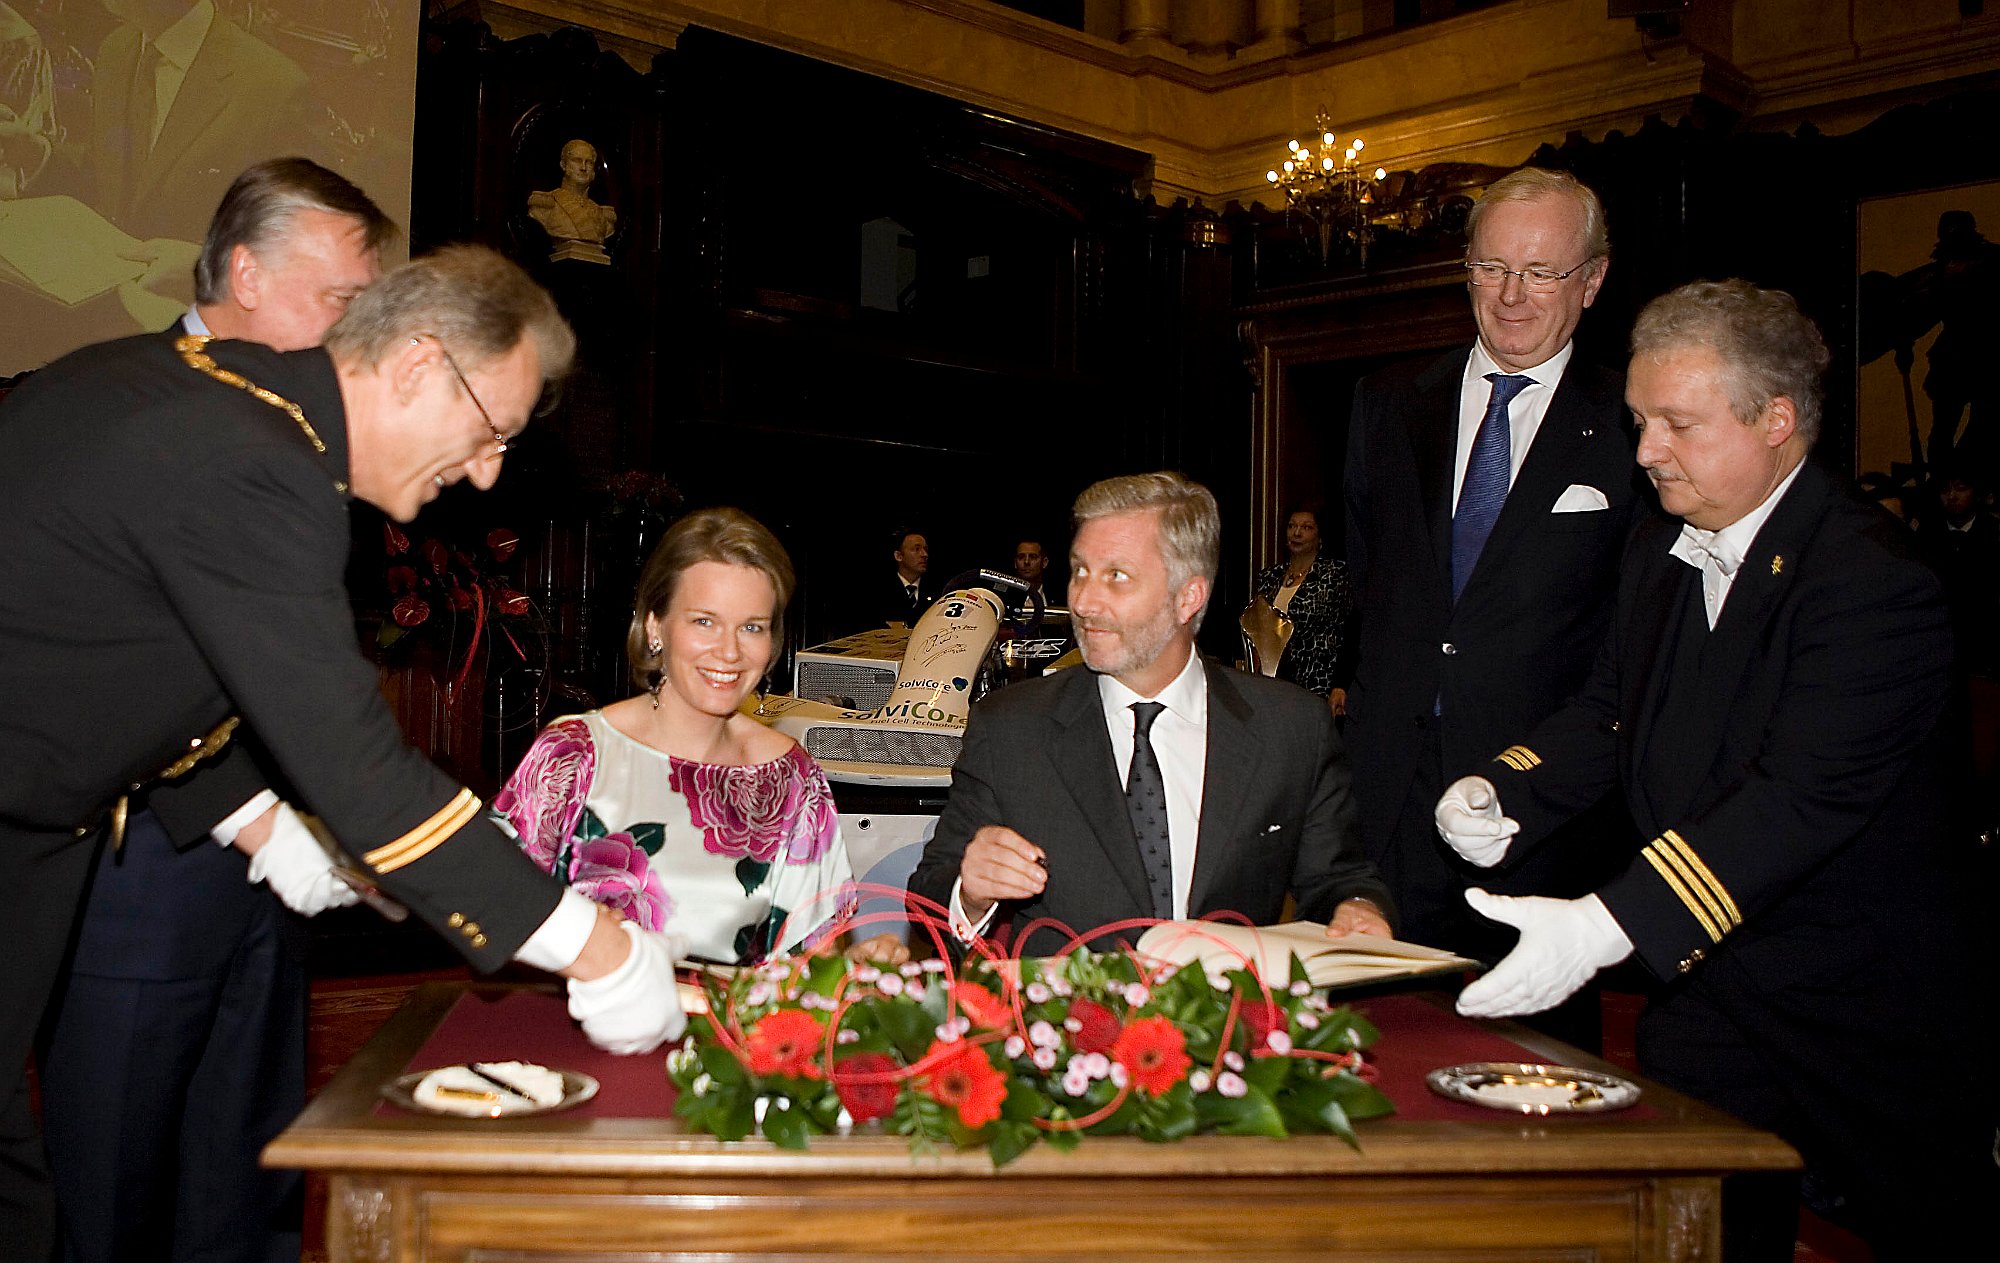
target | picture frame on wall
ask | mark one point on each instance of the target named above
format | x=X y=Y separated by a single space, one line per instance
x=1928 y=318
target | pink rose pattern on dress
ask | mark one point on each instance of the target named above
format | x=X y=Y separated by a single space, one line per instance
x=613 y=870
x=782 y=810
x=544 y=798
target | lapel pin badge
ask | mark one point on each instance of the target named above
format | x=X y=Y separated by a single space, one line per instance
x=1777 y=563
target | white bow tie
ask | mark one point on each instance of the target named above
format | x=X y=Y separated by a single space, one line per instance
x=1704 y=549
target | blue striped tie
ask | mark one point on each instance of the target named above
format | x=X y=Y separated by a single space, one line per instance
x=1485 y=487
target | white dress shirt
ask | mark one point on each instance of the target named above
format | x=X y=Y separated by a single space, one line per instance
x=1180 y=742
x=1524 y=413
x=1718 y=554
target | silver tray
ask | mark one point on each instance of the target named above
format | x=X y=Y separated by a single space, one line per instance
x=1528 y=1088
x=402 y=1090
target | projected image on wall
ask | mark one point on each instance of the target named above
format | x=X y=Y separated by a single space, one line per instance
x=123 y=121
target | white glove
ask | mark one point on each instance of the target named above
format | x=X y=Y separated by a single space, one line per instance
x=1563 y=942
x=1469 y=820
x=298 y=867
x=636 y=1007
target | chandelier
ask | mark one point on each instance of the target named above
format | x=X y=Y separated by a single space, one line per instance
x=1327 y=184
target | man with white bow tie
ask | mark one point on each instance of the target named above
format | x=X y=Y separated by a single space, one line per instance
x=1769 y=701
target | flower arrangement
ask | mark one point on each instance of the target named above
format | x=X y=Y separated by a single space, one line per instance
x=1016 y=1052
x=436 y=584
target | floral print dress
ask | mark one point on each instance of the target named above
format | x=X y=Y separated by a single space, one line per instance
x=745 y=861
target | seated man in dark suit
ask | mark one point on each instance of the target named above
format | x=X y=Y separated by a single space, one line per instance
x=914 y=590
x=1769 y=701
x=1153 y=784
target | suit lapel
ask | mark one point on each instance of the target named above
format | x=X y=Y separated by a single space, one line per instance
x=1227 y=768
x=204 y=94
x=1662 y=585
x=1754 y=596
x=1081 y=751
x=1434 y=449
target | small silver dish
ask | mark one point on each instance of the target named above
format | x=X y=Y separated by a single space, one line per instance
x=402 y=1091
x=1527 y=1088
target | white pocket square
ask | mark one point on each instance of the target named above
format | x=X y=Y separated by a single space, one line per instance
x=1580 y=499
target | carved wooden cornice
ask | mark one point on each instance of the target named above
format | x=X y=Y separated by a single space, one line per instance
x=1488 y=86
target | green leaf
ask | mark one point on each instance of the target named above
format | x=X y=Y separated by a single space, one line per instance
x=1011 y=1140
x=785 y=1128
x=649 y=837
x=750 y=873
x=590 y=826
x=721 y=1064
x=1170 y=1116
x=823 y=973
x=1358 y=1097
x=1252 y=1114
x=1267 y=1073
x=1313 y=1106
x=1024 y=1101
x=909 y=1026
x=733 y=1113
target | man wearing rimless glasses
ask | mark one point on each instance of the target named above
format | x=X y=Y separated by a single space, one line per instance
x=1488 y=494
x=174 y=513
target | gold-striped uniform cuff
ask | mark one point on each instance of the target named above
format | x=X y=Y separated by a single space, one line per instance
x=1694 y=884
x=1520 y=758
x=426 y=837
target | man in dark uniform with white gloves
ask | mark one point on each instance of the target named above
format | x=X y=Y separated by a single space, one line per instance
x=175 y=1047
x=1769 y=701
x=174 y=515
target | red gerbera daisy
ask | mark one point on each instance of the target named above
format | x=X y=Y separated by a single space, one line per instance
x=1097 y=1029
x=965 y=1080
x=1154 y=1052
x=785 y=1042
x=980 y=1005
x=865 y=1098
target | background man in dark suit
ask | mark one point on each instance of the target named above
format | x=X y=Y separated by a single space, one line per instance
x=1770 y=701
x=176 y=547
x=1152 y=784
x=913 y=590
x=1483 y=551
x=176 y=1043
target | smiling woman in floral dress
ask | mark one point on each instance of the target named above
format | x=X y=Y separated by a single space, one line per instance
x=671 y=806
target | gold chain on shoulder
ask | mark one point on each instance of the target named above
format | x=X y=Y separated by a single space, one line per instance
x=191 y=346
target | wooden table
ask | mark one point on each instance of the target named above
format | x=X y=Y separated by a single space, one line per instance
x=1441 y=1182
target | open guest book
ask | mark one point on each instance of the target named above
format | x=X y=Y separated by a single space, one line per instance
x=1358 y=960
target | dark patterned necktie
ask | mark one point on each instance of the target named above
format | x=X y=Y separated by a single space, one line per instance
x=1485 y=486
x=1146 y=800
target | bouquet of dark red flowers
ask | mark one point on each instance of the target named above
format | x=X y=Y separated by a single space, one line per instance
x=460 y=591
x=1012 y=1052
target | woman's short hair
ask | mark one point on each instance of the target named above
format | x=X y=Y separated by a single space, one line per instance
x=1190 y=524
x=1533 y=184
x=1767 y=346
x=727 y=535
x=470 y=298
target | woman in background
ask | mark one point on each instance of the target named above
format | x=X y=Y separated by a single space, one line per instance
x=672 y=806
x=1312 y=590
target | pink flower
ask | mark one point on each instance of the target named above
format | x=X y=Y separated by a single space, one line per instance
x=782 y=810
x=545 y=795
x=613 y=871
